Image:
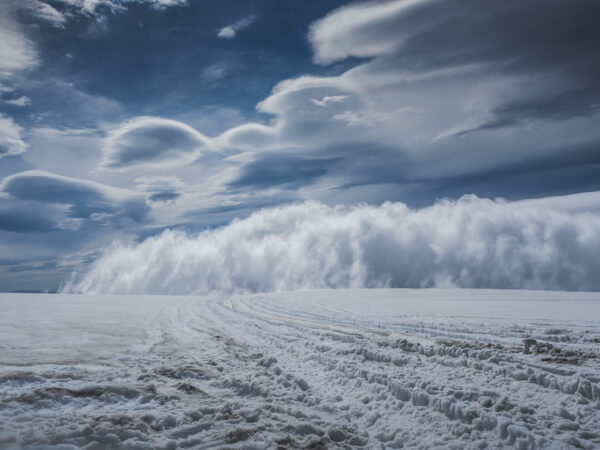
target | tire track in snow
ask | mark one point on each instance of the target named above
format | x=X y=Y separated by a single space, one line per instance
x=329 y=369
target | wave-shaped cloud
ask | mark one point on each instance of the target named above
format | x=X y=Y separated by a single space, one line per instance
x=86 y=199
x=471 y=242
x=153 y=141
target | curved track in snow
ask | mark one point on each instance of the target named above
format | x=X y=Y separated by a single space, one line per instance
x=322 y=369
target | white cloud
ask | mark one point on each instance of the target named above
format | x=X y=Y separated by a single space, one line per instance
x=230 y=31
x=153 y=141
x=227 y=32
x=355 y=119
x=349 y=31
x=20 y=101
x=301 y=123
x=215 y=72
x=161 y=3
x=16 y=50
x=250 y=136
x=11 y=137
x=90 y=6
x=44 y=11
x=327 y=100
x=49 y=148
x=472 y=242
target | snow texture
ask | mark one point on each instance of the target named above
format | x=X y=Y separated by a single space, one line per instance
x=313 y=369
x=469 y=243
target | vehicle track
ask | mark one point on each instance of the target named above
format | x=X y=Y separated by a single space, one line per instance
x=295 y=371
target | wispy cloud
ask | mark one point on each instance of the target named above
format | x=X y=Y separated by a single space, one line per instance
x=230 y=31
x=90 y=6
x=17 y=52
x=23 y=100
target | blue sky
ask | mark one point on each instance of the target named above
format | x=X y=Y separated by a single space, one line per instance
x=122 y=118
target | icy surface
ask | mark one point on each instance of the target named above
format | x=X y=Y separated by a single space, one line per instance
x=320 y=369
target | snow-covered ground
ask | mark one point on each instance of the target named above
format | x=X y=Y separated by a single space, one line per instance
x=319 y=369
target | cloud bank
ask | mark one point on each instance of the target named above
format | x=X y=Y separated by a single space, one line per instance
x=472 y=242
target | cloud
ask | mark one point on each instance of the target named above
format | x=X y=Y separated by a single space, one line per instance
x=161 y=189
x=327 y=100
x=19 y=101
x=547 y=58
x=43 y=11
x=153 y=141
x=426 y=98
x=17 y=52
x=230 y=31
x=249 y=136
x=159 y=4
x=300 y=123
x=471 y=242
x=27 y=218
x=361 y=29
x=164 y=197
x=85 y=199
x=280 y=170
x=91 y=6
x=11 y=137
x=445 y=90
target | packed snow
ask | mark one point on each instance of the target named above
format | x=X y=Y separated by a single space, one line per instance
x=377 y=368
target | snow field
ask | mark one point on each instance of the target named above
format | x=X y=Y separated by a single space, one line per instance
x=316 y=369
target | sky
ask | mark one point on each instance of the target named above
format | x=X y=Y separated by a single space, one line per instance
x=125 y=121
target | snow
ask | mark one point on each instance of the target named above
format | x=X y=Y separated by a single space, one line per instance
x=330 y=368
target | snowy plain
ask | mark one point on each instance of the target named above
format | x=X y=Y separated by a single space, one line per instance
x=379 y=368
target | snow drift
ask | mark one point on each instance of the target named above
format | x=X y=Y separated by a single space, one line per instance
x=472 y=242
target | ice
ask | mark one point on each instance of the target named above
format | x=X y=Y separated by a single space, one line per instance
x=378 y=368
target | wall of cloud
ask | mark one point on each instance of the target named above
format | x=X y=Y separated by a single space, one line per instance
x=471 y=242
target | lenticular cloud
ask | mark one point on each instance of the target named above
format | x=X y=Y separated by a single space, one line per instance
x=471 y=242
